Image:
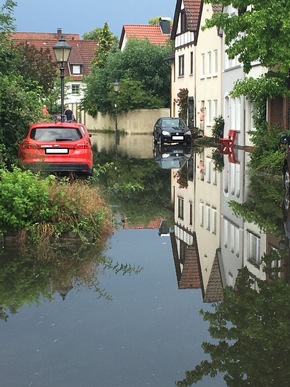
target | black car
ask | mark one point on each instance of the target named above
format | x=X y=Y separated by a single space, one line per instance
x=171 y=157
x=171 y=130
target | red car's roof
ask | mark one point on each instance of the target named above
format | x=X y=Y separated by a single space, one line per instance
x=56 y=124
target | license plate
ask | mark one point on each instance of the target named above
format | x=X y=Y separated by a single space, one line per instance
x=177 y=138
x=56 y=151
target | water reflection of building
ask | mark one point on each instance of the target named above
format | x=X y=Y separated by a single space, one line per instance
x=197 y=226
x=62 y=287
x=242 y=243
x=211 y=243
x=188 y=266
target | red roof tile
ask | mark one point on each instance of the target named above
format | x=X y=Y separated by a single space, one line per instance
x=144 y=31
x=82 y=52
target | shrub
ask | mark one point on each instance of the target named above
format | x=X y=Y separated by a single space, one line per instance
x=40 y=209
x=24 y=200
x=80 y=208
x=218 y=128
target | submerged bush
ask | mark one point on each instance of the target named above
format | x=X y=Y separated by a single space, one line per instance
x=24 y=200
x=80 y=208
x=42 y=208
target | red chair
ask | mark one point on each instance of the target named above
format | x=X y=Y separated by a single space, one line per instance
x=227 y=143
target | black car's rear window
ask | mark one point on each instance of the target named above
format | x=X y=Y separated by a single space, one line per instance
x=55 y=134
x=172 y=123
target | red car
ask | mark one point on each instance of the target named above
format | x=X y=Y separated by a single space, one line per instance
x=57 y=147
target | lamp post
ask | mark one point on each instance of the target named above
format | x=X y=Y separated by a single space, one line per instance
x=117 y=90
x=62 y=51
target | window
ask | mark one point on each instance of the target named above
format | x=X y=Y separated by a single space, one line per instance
x=214 y=220
x=215 y=62
x=207 y=217
x=190 y=213
x=276 y=263
x=236 y=238
x=230 y=237
x=76 y=69
x=180 y=208
x=201 y=214
x=181 y=65
x=234 y=179
x=215 y=108
x=190 y=111
x=208 y=113
x=182 y=21
x=226 y=232
x=191 y=63
x=214 y=175
x=253 y=249
x=75 y=89
x=208 y=169
x=209 y=64
x=202 y=64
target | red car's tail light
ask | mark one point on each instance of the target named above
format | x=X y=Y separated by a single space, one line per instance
x=29 y=145
x=83 y=146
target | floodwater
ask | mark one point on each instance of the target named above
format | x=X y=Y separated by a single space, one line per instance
x=128 y=314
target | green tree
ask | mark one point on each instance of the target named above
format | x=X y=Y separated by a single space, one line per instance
x=6 y=18
x=143 y=74
x=93 y=35
x=19 y=106
x=154 y=21
x=98 y=33
x=37 y=66
x=260 y=32
x=250 y=332
x=22 y=87
x=106 y=41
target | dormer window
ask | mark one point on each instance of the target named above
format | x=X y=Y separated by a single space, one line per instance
x=76 y=69
x=183 y=21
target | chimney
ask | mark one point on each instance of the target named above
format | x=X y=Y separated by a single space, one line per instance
x=164 y=23
x=59 y=33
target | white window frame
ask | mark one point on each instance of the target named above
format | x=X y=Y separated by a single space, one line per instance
x=201 y=214
x=75 y=89
x=214 y=220
x=181 y=65
x=226 y=232
x=180 y=208
x=76 y=69
x=207 y=216
x=209 y=64
x=254 y=244
x=215 y=63
x=208 y=113
x=202 y=66
x=191 y=64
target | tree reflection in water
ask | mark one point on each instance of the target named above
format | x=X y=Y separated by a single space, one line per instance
x=139 y=187
x=252 y=329
x=28 y=277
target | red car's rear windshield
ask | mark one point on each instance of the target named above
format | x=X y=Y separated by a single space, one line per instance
x=55 y=134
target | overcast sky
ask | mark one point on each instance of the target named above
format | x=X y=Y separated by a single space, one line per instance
x=80 y=16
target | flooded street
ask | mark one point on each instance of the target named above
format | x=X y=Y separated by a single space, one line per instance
x=138 y=330
x=128 y=314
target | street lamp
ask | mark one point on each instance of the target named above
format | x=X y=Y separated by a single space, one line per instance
x=117 y=89
x=62 y=51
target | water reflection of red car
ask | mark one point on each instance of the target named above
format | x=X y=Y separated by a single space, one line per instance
x=57 y=147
